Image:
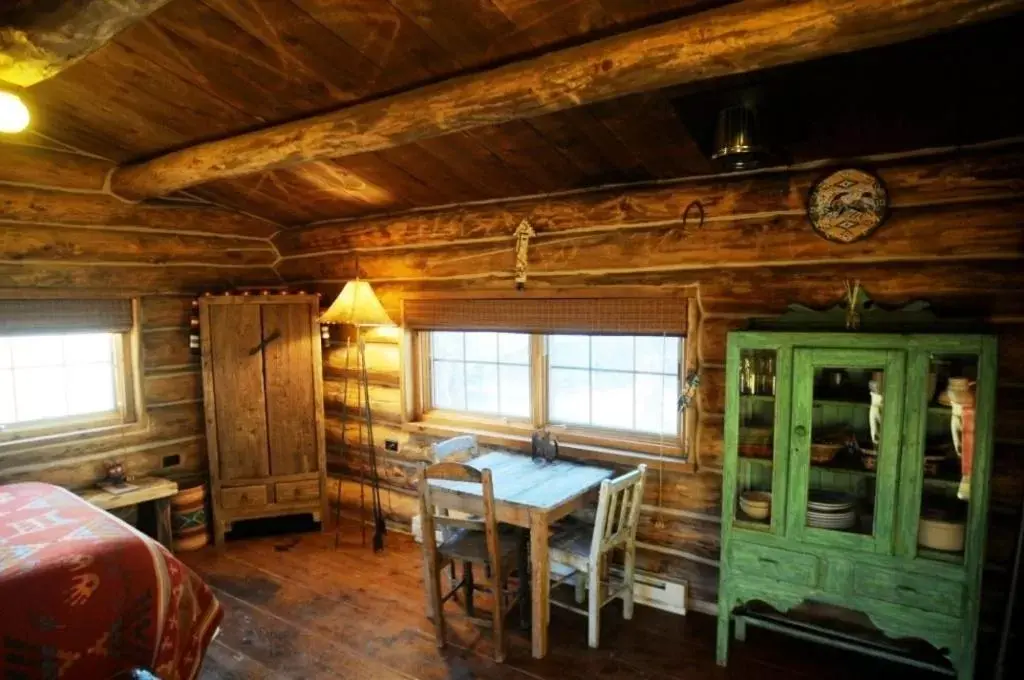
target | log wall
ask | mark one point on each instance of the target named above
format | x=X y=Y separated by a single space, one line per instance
x=61 y=233
x=954 y=238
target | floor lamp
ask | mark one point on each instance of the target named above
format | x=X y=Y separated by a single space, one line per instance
x=358 y=306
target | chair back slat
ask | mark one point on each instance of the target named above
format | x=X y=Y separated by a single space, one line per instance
x=460 y=449
x=618 y=511
x=453 y=472
x=434 y=514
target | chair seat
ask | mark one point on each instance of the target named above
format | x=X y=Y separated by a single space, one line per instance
x=572 y=546
x=471 y=546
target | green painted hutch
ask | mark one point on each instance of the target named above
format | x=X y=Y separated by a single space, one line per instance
x=876 y=450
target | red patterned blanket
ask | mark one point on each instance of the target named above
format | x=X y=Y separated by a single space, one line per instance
x=84 y=595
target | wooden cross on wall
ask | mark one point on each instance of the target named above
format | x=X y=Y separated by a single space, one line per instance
x=522 y=235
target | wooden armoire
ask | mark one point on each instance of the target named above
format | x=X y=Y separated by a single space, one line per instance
x=263 y=392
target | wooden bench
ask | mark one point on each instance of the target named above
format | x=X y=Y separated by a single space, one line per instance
x=155 y=490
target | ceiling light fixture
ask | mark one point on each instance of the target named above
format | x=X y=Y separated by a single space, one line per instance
x=14 y=115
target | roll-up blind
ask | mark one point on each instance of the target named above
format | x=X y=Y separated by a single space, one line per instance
x=626 y=316
x=46 y=316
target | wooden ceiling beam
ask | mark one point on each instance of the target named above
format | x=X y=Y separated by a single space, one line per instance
x=41 y=38
x=737 y=38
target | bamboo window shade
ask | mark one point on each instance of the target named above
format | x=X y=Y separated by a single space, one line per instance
x=46 y=316
x=595 y=316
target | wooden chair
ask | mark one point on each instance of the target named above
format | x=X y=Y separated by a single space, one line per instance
x=469 y=541
x=457 y=449
x=585 y=551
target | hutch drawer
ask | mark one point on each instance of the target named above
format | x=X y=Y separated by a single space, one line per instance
x=775 y=564
x=912 y=590
x=243 y=496
x=289 y=492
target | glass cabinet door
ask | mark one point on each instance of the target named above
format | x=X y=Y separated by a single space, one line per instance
x=845 y=442
x=756 y=413
x=950 y=388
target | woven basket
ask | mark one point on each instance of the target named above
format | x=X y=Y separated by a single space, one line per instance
x=188 y=518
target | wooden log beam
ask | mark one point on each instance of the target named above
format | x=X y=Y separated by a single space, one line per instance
x=41 y=38
x=943 y=177
x=29 y=165
x=737 y=38
x=21 y=242
x=47 y=206
x=988 y=230
x=122 y=278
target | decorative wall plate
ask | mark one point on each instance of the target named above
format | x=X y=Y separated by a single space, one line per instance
x=847 y=205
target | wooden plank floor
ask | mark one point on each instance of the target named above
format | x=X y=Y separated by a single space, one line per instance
x=296 y=607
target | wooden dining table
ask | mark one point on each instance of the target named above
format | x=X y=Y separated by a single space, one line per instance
x=533 y=495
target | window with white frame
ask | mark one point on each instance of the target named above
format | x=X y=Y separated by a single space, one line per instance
x=71 y=380
x=625 y=386
x=485 y=373
x=614 y=382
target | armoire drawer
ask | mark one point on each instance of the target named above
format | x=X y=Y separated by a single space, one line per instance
x=909 y=589
x=243 y=497
x=290 y=492
x=774 y=564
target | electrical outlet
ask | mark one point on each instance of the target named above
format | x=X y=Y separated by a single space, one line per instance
x=171 y=461
x=391 y=445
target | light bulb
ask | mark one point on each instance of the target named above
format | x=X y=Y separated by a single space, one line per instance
x=14 y=116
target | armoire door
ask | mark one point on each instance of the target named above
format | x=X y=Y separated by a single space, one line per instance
x=240 y=406
x=288 y=364
x=845 y=433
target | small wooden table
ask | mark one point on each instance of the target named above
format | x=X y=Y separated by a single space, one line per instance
x=155 y=490
x=531 y=495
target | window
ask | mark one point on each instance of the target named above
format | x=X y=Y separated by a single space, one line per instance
x=622 y=385
x=62 y=381
x=481 y=373
x=614 y=382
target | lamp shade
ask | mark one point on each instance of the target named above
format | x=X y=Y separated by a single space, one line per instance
x=357 y=305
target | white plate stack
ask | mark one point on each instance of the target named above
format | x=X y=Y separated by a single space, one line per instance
x=829 y=510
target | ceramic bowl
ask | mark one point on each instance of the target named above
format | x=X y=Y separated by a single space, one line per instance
x=940 y=534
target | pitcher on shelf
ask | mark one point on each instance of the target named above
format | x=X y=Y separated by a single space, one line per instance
x=961 y=425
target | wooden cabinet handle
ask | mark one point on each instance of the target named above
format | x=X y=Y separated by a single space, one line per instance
x=765 y=560
x=245 y=498
x=906 y=589
x=800 y=431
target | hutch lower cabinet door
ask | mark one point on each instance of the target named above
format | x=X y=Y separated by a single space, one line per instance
x=856 y=476
x=263 y=393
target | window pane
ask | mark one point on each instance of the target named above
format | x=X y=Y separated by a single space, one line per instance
x=514 y=348
x=672 y=362
x=90 y=389
x=88 y=348
x=446 y=345
x=39 y=350
x=449 y=381
x=482 y=347
x=612 y=399
x=514 y=391
x=5 y=353
x=650 y=353
x=650 y=397
x=569 y=351
x=670 y=408
x=612 y=352
x=7 y=412
x=39 y=393
x=569 y=396
x=482 y=387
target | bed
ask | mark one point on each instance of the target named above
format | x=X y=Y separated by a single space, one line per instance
x=84 y=595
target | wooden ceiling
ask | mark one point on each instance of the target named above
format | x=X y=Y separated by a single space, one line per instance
x=196 y=70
